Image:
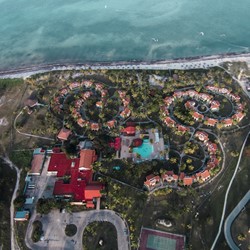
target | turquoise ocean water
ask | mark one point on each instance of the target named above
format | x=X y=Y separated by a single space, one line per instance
x=59 y=31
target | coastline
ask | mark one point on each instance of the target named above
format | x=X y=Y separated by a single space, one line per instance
x=200 y=62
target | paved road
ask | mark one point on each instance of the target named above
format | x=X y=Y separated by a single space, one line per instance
x=54 y=225
x=231 y=218
x=227 y=192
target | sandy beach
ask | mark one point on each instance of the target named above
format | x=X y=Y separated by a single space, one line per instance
x=203 y=62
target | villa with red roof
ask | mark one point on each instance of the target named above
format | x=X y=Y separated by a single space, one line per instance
x=182 y=128
x=202 y=136
x=64 y=134
x=211 y=122
x=197 y=116
x=190 y=105
x=152 y=181
x=238 y=116
x=94 y=126
x=125 y=113
x=187 y=181
x=111 y=124
x=227 y=122
x=169 y=122
x=215 y=105
x=205 y=175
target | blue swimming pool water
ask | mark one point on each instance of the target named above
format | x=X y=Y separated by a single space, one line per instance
x=145 y=150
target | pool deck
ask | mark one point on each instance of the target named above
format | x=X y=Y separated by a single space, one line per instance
x=158 y=146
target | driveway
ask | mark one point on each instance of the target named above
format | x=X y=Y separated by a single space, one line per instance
x=54 y=225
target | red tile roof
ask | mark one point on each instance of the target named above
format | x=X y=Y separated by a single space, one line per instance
x=93 y=191
x=205 y=175
x=87 y=157
x=197 y=116
x=64 y=134
x=211 y=122
x=94 y=126
x=187 y=181
x=169 y=122
x=129 y=130
x=61 y=164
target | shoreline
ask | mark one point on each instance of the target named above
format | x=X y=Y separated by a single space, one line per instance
x=198 y=62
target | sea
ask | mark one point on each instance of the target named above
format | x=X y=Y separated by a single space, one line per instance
x=80 y=31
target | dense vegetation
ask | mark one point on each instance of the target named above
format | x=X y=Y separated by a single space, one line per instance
x=37 y=231
x=70 y=230
x=100 y=236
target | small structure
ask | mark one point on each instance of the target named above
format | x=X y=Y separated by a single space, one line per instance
x=129 y=131
x=21 y=216
x=64 y=134
x=36 y=164
x=31 y=102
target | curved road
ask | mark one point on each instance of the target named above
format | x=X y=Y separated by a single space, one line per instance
x=227 y=192
x=231 y=218
x=54 y=225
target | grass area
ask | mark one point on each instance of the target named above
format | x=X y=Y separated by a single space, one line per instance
x=162 y=205
x=100 y=236
x=207 y=223
x=7 y=185
x=129 y=203
x=20 y=229
x=240 y=228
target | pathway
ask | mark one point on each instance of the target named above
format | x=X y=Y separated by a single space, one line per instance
x=231 y=218
x=14 y=244
x=227 y=192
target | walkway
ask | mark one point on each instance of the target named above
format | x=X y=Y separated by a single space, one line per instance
x=231 y=218
x=227 y=192
x=54 y=225
x=14 y=244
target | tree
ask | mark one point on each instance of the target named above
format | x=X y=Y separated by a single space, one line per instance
x=241 y=237
x=19 y=201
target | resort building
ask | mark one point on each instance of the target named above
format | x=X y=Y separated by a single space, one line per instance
x=169 y=122
x=21 y=216
x=187 y=181
x=74 y=177
x=152 y=181
x=205 y=175
x=197 y=116
x=211 y=122
x=227 y=122
x=202 y=136
x=64 y=134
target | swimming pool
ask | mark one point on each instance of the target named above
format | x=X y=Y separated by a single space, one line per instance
x=145 y=150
